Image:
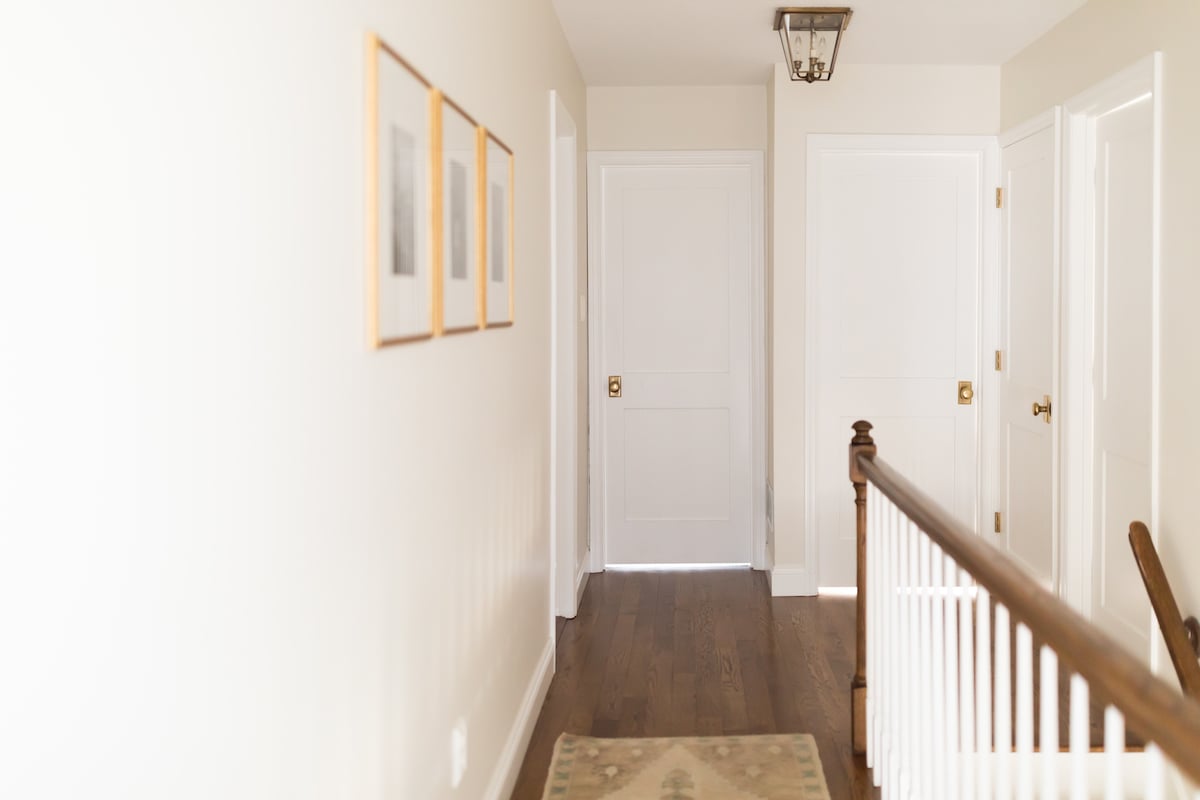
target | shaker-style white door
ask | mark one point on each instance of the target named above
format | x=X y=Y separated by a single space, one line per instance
x=1029 y=259
x=676 y=245
x=895 y=256
x=1121 y=151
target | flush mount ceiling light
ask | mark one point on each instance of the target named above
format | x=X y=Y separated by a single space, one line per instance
x=811 y=38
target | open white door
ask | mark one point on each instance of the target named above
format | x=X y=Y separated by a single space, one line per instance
x=676 y=239
x=1027 y=359
x=895 y=258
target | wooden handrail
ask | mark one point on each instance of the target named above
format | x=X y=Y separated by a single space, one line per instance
x=1162 y=599
x=1152 y=709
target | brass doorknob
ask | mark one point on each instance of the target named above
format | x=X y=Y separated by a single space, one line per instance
x=1042 y=408
x=614 y=385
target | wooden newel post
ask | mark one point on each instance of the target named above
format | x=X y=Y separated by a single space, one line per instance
x=861 y=444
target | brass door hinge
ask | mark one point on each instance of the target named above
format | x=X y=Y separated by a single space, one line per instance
x=997 y=522
x=999 y=197
x=999 y=361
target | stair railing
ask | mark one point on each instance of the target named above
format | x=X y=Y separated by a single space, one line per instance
x=951 y=699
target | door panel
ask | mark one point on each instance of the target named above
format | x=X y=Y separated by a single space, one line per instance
x=676 y=250
x=1029 y=262
x=896 y=253
x=1122 y=149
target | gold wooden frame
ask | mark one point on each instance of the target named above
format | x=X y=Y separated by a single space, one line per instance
x=376 y=50
x=440 y=222
x=485 y=137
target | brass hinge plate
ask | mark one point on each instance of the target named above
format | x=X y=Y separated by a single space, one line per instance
x=999 y=197
x=997 y=522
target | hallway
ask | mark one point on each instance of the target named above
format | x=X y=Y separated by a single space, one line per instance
x=701 y=653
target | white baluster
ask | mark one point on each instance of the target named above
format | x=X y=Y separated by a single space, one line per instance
x=1049 y=724
x=894 y=665
x=952 y=748
x=936 y=600
x=916 y=712
x=1080 y=739
x=1114 y=753
x=1024 y=713
x=966 y=687
x=1004 y=741
x=872 y=591
x=984 y=691
x=1155 y=779
x=925 y=671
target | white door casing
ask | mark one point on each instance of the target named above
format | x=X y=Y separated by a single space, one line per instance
x=897 y=249
x=1113 y=136
x=1027 y=452
x=569 y=552
x=676 y=282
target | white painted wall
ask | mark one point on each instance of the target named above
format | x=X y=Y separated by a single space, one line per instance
x=677 y=118
x=241 y=556
x=1090 y=45
x=860 y=99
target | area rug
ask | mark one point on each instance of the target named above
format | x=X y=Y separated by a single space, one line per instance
x=776 y=767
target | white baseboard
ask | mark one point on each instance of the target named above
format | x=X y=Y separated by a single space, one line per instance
x=581 y=583
x=504 y=777
x=791 y=581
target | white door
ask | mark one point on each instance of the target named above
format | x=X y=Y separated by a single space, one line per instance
x=676 y=245
x=895 y=255
x=1121 y=153
x=1028 y=348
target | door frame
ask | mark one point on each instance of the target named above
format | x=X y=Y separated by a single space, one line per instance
x=986 y=331
x=598 y=161
x=566 y=587
x=1129 y=85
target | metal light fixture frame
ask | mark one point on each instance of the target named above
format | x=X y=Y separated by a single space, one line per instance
x=820 y=20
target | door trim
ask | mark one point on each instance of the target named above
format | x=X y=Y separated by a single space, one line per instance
x=753 y=159
x=564 y=370
x=1141 y=78
x=986 y=147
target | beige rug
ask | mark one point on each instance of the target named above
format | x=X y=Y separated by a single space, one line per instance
x=779 y=767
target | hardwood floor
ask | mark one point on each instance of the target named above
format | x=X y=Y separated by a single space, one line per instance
x=698 y=654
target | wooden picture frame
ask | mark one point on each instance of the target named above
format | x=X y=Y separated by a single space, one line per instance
x=496 y=259
x=459 y=215
x=401 y=142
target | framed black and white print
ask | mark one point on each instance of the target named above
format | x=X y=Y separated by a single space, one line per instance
x=461 y=301
x=498 y=252
x=400 y=147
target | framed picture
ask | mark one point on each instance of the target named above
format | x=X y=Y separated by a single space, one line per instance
x=461 y=302
x=498 y=254
x=400 y=147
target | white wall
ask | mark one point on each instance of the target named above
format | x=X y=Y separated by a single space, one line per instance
x=677 y=118
x=1096 y=41
x=241 y=555
x=859 y=99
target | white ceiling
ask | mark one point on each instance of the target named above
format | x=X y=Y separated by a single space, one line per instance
x=729 y=42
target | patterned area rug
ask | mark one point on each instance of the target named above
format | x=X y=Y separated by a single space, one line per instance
x=779 y=767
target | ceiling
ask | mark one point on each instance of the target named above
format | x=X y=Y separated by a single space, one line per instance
x=731 y=42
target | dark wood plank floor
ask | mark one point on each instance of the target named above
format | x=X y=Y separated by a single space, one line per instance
x=701 y=654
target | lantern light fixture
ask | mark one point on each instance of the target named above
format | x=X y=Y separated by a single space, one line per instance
x=811 y=38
